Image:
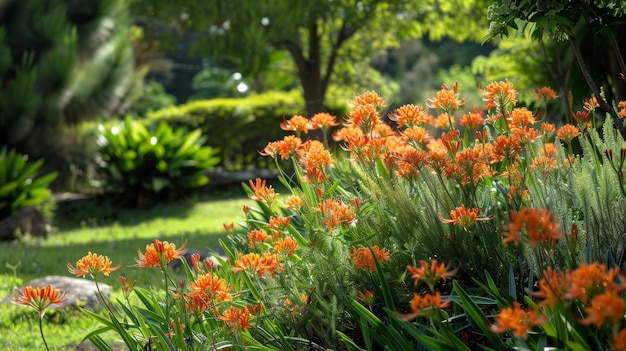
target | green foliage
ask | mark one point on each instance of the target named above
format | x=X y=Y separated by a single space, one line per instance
x=146 y=164
x=240 y=127
x=319 y=36
x=20 y=185
x=60 y=63
x=153 y=98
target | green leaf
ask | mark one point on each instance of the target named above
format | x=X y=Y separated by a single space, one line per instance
x=477 y=317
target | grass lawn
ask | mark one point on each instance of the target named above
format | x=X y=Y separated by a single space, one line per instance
x=103 y=228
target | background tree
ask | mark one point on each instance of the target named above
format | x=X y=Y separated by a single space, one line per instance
x=62 y=61
x=318 y=35
x=595 y=31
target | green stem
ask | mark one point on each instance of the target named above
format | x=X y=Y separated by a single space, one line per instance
x=41 y=332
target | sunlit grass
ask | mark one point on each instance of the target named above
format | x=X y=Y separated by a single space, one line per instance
x=105 y=229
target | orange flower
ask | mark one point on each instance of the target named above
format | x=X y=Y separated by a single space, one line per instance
x=267 y=262
x=294 y=202
x=443 y=121
x=607 y=308
x=567 y=132
x=335 y=212
x=366 y=297
x=278 y=224
x=505 y=147
x=92 y=265
x=210 y=286
x=516 y=319
x=236 y=317
x=362 y=257
x=262 y=192
x=430 y=275
x=410 y=163
x=499 y=94
x=128 y=284
x=619 y=340
x=425 y=305
x=582 y=119
x=589 y=280
x=284 y=147
x=472 y=120
x=552 y=287
x=548 y=128
x=622 y=109
x=464 y=217
x=323 y=120
x=159 y=254
x=546 y=94
x=314 y=158
x=363 y=116
x=520 y=117
x=287 y=244
x=257 y=236
x=415 y=136
x=409 y=115
x=369 y=98
x=452 y=140
x=446 y=99
x=536 y=223
x=297 y=123
x=38 y=298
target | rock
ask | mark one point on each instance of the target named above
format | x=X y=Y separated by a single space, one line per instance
x=29 y=220
x=79 y=292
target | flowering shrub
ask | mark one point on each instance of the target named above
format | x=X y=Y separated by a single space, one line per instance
x=413 y=231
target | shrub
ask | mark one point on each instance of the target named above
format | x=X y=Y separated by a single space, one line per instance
x=19 y=184
x=146 y=164
x=240 y=127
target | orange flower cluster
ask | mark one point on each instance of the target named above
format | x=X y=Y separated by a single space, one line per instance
x=363 y=258
x=464 y=217
x=499 y=94
x=262 y=192
x=409 y=116
x=538 y=224
x=598 y=289
x=335 y=212
x=518 y=320
x=426 y=305
x=283 y=148
x=430 y=274
x=159 y=254
x=287 y=245
x=446 y=99
x=314 y=158
x=546 y=94
x=92 y=265
x=298 y=124
x=622 y=109
x=364 y=113
x=208 y=287
x=567 y=132
x=237 y=317
x=266 y=262
x=38 y=298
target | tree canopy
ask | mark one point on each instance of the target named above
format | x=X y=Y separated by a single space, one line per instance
x=318 y=35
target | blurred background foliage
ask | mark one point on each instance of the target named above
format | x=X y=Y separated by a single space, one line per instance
x=236 y=69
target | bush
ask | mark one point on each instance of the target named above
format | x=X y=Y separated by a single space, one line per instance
x=240 y=127
x=147 y=164
x=19 y=184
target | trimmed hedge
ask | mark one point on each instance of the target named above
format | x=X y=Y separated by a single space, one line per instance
x=239 y=127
